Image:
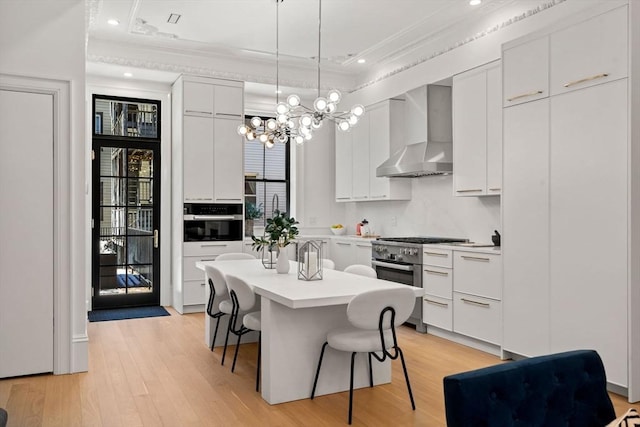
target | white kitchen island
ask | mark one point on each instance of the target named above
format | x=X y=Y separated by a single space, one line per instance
x=296 y=316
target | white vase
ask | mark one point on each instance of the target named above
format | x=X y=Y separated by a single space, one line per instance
x=282 y=265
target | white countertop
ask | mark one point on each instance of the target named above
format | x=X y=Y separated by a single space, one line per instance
x=335 y=288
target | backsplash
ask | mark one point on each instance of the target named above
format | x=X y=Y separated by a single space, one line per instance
x=432 y=211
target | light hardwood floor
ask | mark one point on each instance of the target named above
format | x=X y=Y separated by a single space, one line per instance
x=158 y=372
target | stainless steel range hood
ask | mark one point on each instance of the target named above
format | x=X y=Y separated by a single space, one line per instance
x=433 y=156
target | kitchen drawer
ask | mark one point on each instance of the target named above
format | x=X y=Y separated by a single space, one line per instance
x=189 y=269
x=437 y=281
x=437 y=257
x=478 y=274
x=437 y=312
x=210 y=248
x=477 y=317
x=194 y=292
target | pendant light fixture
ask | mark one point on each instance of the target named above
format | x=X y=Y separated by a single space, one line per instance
x=294 y=121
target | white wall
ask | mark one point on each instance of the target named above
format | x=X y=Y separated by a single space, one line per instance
x=46 y=39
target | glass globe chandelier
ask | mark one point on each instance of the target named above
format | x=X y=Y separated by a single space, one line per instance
x=295 y=121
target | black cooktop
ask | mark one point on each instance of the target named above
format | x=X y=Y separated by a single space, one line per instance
x=421 y=240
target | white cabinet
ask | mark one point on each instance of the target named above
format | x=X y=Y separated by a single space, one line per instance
x=566 y=175
x=477 y=131
x=207 y=167
x=342 y=253
x=363 y=149
x=363 y=253
x=525 y=72
x=589 y=127
x=191 y=292
x=525 y=224
x=344 y=170
x=348 y=251
x=437 y=281
x=212 y=151
x=198 y=155
x=590 y=53
x=477 y=292
x=462 y=292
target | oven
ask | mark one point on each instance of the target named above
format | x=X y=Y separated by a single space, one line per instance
x=399 y=260
x=210 y=222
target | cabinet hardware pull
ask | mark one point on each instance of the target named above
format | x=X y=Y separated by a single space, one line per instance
x=228 y=114
x=468 y=191
x=436 y=254
x=475 y=258
x=343 y=243
x=343 y=198
x=207 y=259
x=212 y=244
x=586 y=79
x=201 y=284
x=441 y=304
x=495 y=189
x=229 y=200
x=379 y=197
x=155 y=239
x=199 y=112
x=524 y=95
x=360 y=197
x=478 y=303
x=439 y=273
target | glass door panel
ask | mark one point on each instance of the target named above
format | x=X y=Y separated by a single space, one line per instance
x=126 y=221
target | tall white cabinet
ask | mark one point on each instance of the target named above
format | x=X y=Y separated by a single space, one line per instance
x=361 y=150
x=477 y=131
x=207 y=167
x=566 y=224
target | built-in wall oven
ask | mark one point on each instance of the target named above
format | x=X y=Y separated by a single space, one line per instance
x=399 y=259
x=206 y=222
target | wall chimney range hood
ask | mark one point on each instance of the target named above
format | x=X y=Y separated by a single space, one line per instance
x=433 y=156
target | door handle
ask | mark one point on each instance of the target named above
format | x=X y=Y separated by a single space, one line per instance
x=155 y=239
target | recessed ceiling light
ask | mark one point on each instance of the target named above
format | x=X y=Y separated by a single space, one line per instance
x=361 y=61
x=113 y=22
x=475 y=2
x=128 y=74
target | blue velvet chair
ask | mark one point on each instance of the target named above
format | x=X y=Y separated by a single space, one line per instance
x=563 y=389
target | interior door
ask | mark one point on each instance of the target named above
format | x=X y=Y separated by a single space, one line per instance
x=126 y=208
x=26 y=227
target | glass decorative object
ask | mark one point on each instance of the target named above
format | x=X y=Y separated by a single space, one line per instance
x=310 y=260
x=269 y=257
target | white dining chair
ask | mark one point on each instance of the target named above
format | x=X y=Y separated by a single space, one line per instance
x=374 y=316
x=244 y=299
x=327 y=263
x=231 y=256
x=217 y=288
x=225 y=306
x=362 y=270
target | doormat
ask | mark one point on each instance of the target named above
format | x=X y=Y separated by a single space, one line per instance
x=127 y=313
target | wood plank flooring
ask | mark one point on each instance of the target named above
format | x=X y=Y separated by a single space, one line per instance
x=158 y=372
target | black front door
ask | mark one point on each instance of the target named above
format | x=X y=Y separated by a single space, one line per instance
x=126 y=208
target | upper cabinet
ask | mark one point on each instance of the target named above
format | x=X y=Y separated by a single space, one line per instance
x=360 y=151
x=211 y=150
x=590 y=53
x=477 y=131
x=526 y=72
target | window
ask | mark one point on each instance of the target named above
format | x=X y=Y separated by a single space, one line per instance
x=266 y=178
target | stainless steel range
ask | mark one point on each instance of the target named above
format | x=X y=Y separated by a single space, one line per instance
x=399 y=259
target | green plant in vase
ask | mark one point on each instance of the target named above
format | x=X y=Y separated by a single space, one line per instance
x=278 y=233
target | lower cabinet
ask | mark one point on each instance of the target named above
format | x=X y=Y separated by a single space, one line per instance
x=463 y=291
x=347 y=251
x=477 y=317
x=191 y=296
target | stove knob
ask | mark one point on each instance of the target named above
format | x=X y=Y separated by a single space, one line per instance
x=414 y=252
